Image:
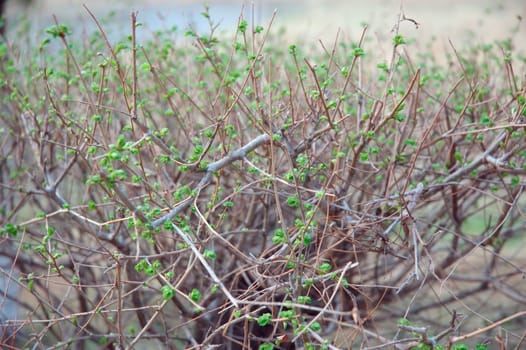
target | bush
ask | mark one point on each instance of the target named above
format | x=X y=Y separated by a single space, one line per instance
x=198 y=191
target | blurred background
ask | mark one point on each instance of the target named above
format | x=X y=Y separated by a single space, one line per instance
x=455 y=20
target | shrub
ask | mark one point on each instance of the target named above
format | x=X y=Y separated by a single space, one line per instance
x=196 y=191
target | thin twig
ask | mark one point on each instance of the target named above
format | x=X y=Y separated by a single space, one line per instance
x=210 y=170
x=456 y=339
x=207 y=267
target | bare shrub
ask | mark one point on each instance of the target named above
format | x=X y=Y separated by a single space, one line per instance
x=201 y=192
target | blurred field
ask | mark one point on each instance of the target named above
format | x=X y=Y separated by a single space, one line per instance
x=458 y=21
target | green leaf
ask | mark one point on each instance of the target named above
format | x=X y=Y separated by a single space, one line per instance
x=398 y=40
x=279 y=236
x=307 y=239
x=325 y=267
x=266 y=346
x=315 y=326
x=242 y=28
x=114 y=155
x=358 y=51
x=146 y=67
x=210 y=254
x=265 y=319
x=364 y=157
x=58 y=30
x=168 y=292
x=460 y=347
x=10 y=229
x=195 y=295
x=30 y=285
x=304 y=299
x=293 y=201
x=404 y=322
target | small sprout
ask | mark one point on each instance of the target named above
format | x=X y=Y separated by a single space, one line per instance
x=325 y=267
x=315 y=326
x=41 y=47
x=195 y=295
x=139 y=267
x=190 y=33
x=358 y=51
x=460 y=347
x=410 y=142
x=293 y=201
x=168 y=292
x=364 y=157
x=58 y=31
x=10 y=229
x=304 y=299
x=242 y=28
x=307 y=283
x=114 y=155
x=265 y=319
x=307 y=240
x=210 y=254
x=279 y=237
x=458 y=156
x=30 y=285
x=404 y=322
x=383 y=66
x=287 y=314
x=398 y=40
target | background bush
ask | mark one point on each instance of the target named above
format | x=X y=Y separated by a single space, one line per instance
x=239 y=191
